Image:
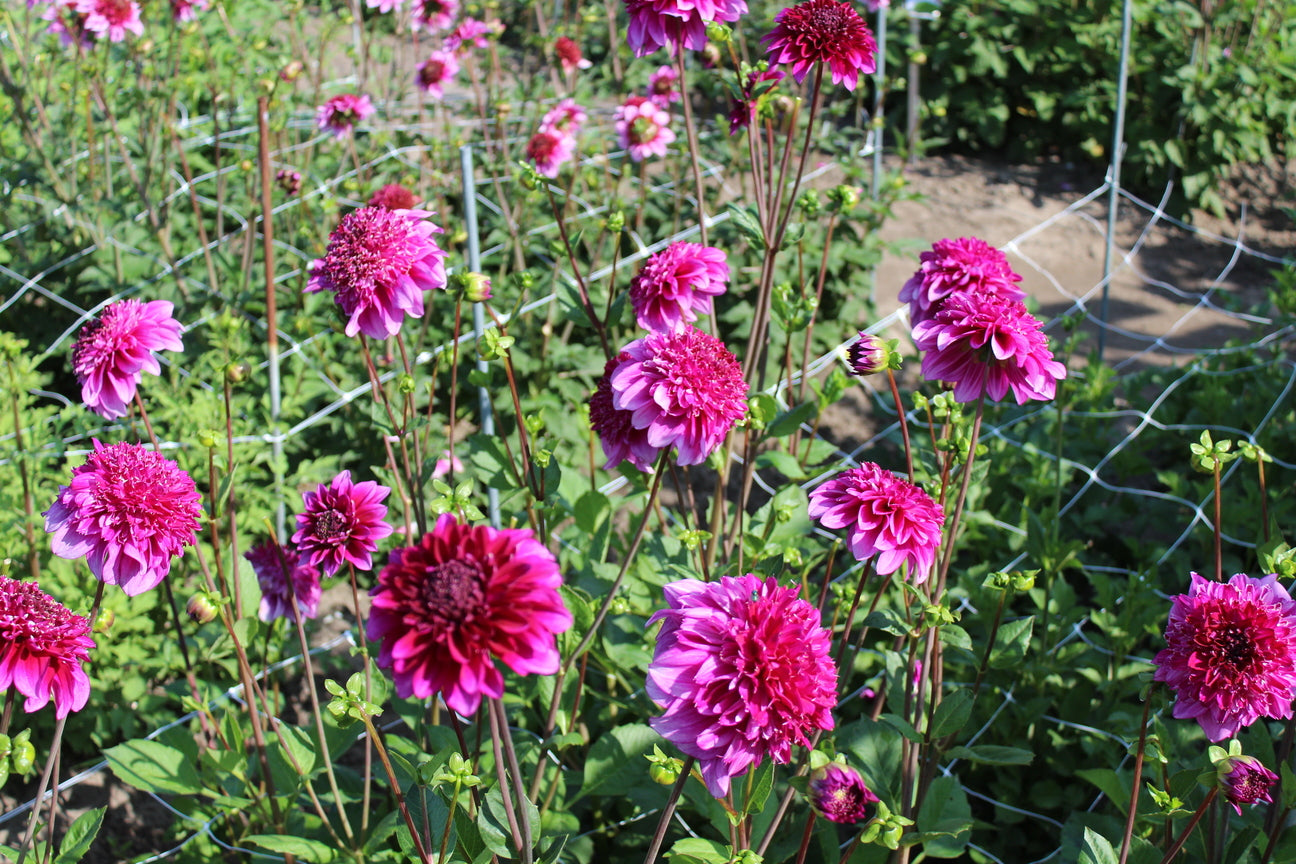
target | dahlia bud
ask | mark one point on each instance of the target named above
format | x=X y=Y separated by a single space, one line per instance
x=1242 y=779
x=292 y=71
x=710 y=55
x=209 y=438
x=6 y=747
x=616 y=222
x=476 y=287
x=842 y=198
x=809 y=204
x=406 y=384
x=664 y=769
x=867 y=355
x=838 y=793
x=237 y=373
x=23 y=757
x=718 y=32
x=201 y=608
x=289 y=181
x=529 y=177
x=104 y=621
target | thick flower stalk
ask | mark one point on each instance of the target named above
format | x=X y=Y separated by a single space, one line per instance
x=113 y=351
x=43 y=645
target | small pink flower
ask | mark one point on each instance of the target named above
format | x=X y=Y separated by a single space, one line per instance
x=128 y=511
x=676 y=24
x=340 y=113
x=620 y=439
x=274 y=565
x=472 y=32
x=113 y=351
x=565 y=118
x=838 y=793
x=436 y=71
x=463 y=597
x=1247 y=781
x=68 y=23
x=384 y=6
x=433 y=14
x=676 y=285
x=964 y=264
x=550 y=151
x=569 y=55
x=823 y=31
x=742 y=671
x=342 y=524
x=187 y=10
x=378 y=264
x=661 y=86
x=43 y=645
x=111 y=19
x=684 y=388
x=643 y=128
x=446 y=464
x=884 y=516
x=289 y=181
x=393 y=196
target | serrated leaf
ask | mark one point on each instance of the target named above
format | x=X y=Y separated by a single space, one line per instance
x=945 y=820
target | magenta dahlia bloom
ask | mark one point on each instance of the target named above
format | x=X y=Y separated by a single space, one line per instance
x=986 y=343
x=643 y=128
x=378 y=264
x=113 y=351
x=569 y=55
x=274 y=565
x=466 y=596
x=384 y=6
x=620 y=439
x=823 y=31
x=340 y=113
x=964 y=264
x=433 y=14
x=677 y=284
x=838 y=793
x=676 y=24
x=42 y=647
x=393 y=196
x=471 y=32
x=128 y=511
x=1247 y=782
x=867 y=355
x=1230 y=653
x=111 y=19
x=68 y=23
x=187 y=10
x=550 y=150
x=565 y=118
x=742 y=670
x=342 y=524
x=435 y=72
x=662 y=88
x=884 y=516
x=684 y=388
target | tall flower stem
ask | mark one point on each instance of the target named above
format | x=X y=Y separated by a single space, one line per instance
x=668 y=812
x=510 y=775
x=55 y=746
x=903 y=419
x=806 y=836
x=691 y=131
x=966 y=482
x=576 y=272
x=401 y=803
x=1215 y=525
x=33 y=559
x=1192 y=823
x=1137 y=782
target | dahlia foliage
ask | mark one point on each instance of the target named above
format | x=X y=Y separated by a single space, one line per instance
x=113 y=351
x=42 y=648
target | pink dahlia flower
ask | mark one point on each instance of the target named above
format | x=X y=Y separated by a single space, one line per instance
x=965 y=264
x=342 y=524
x=42 y=647
x=111 y=19
x=684 y=388
x=677 y=284
x=884 y=516
x=289 y=181
x=620 y=439
x=187 y=10
x=433 y=14
x=988 y=344
x=128 y=511
x=393 y=196
x=643 y=128
x=742 y=670
x=823 y=31
x=1246 y=782
x=378 y=264
x=565 y=118
x=1230 y=653
x=340 y=113
x=550 y=151
x=471 y=32
x=569 y=55
x=68 y=23
x=447 y=464
x=384 y=6
x=662 y=88
x=673 y=24
x=838 y=793
x=274 y=566
x=466 y=596
x=436 y=71
x=113 y=351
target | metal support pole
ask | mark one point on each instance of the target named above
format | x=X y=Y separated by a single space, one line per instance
x=1113 y=178
x=875 y=133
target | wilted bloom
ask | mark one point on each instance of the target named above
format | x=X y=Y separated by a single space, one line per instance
x=1230 y=653
x=675 y=285
x=342 y=524
x=569 y=55
x=986 y=343
x=1244 y=780
x=620 y=439
x=111 y=19
x=756 y=92
x=185 y=10
x=867 y=355
x=446 y=609
x=963 y=264
x=743 y=671
x=289 y=181
x=565 y=118
x=433 y=73
x=884 y=516
x=433 y=14
x=274 y=565
x=393 y=196
x=643 y=128
x=823 y=31
x=674 y=24
x=340 y=113
x=838 y=793
x=549 y=151
x=112 y=352
x=378 y=263
x=661 y=86
x=128 y=511
x=684 y=387
x=42 y=647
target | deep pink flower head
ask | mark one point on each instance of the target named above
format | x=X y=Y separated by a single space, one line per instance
x=113 y=351
x=111 y=19
x=447 y=464
x=433 y=73
x=274 y=565
x=677 y=284
x=1246 y=781
x=964 y=264
x=823 y=31
x=565 y=118
x=643 y=128
x=988 y=343
x=684 y=388
x=620 y=439
x=884 y=516
x=340 y=113
x=673 y=24
x=1230 y=653
x=661 y=86
x=342 y=524
x=433 y=14
x=550 y=150
x=378 y=264
x=128 y=511
x=393 y=196
x=742 y=670
x=289 y=181
x=838 y=793
x=472 y=32
x=385 y=6
x=569 y=55
x=187 y=10
x=42 y=647
x=466 y=596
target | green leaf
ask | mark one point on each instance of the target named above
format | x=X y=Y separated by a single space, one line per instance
x=697 y=850
x=1097 y=849
x=492 y=822
x=887 y=620
x=789 y=421
x=762 y=784
x=953 y=711
x=945 y=820
x=305 y=849
x=79 y=836
x=1111 y=785
x=1012 y=642
x=154 y=767
x=616 y=760
x=992 y=754
x=784 y=463
x=748 y=225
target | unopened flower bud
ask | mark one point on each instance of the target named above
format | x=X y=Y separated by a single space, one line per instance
x=23 y=758
x=867 y=355
x=209 y=438
x=405 y=383
x=201 y=609
x=616 y=222
x=663 y=774
x=710 y=55
x=237 y=373
x=291 y=71
x=476 y=287
x=104 y=620
x=718 y=32
x=842 y=198
x=289 y=181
